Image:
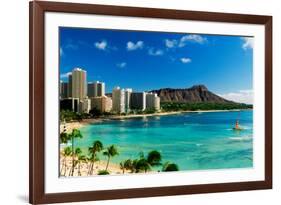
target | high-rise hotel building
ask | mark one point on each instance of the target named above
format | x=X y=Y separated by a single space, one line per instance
x=69 y=86
x=63 y=90
x=152 y=101
x=96 y=89
x=103 y=103
x=118 y=100
x=128 y=93
x=138 y=101
x=79 y=83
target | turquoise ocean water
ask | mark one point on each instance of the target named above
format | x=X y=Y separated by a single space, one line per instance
x=195 y=141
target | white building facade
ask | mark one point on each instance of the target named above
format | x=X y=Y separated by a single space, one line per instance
x=152 y=101
x=79 y=83
x=128 y=93
x=118 y=100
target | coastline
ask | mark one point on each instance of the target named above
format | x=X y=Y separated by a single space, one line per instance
x=66 y=164
x=69 y=126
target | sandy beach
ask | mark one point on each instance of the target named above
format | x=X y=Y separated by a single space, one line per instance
x=69 y=126
x=84 y=167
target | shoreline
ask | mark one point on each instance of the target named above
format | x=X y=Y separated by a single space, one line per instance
x=69 y=126
x=66 y=164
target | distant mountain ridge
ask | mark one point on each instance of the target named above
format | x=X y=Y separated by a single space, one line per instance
x=194 y=94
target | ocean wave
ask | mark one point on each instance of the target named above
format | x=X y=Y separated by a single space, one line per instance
x=243 y=128
x=198 y=144
x=247 y=128
x=242 y=138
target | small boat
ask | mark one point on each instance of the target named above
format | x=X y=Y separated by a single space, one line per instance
x=237 y=127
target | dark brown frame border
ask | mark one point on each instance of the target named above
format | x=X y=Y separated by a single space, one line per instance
x=36 y=101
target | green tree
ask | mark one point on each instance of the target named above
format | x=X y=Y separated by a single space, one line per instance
x=81 y=159
x=122 y=166
x=128 y=164
x=74 y=134
x=95 y=112
x=97 y=146
x=110 y=152
x=77 y=154
x=66 y=152
x=64 y=138
x=134 y=165
x=142 y=165
x=154 y=158
x=168 y=167
x=103 y=172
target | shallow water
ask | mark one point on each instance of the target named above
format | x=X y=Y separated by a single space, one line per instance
x=194 y=141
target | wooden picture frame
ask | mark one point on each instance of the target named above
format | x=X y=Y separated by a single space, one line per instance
x=38 y=9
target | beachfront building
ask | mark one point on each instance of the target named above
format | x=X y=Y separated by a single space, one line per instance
x=71 y=104
x=84 y=105
x=128 y=93
x=103 y=103
x=118 y=100
x=63 y=90
x=138 y=101
x=152 y=101
x=96 y=89
x=69 y=87
x=79 y=83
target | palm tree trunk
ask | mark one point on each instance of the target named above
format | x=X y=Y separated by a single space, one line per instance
x=62 y=166
x=65 y=168
x=72 y=144
x=92 y=168
x=89 y=168
x=79 y=171
x=107 y=163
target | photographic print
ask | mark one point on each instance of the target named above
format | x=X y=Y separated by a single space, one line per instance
x=142 y=102
x=130 y=102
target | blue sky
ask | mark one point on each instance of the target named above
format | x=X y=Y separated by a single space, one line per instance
x=152 y=60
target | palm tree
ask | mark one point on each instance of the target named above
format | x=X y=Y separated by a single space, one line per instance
x=91 y=159
x=142 y=165
x=128 y=164
x=168 y=167
x=96 y=147
x=111 y=151
x=122 y=166
x=77 y=153
x=64 y=138
x=154 y=158
x=66 y=152
x=134 y=165
x=81 y=159
x=75 y=134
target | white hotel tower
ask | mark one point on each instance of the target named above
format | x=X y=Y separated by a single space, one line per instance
x=79 y=83
x=118 y=100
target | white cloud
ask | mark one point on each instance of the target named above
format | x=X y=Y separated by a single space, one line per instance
x=65 y=75
x=248 y=43
x=185 y=60
x=101 y=45
x=155 y=52
x=171 y=43
x=242 y=96
x=194 y=38
x=121 y=65
x=134 y=46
